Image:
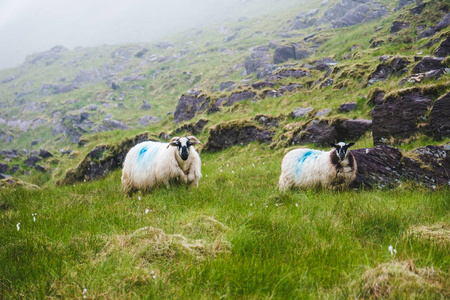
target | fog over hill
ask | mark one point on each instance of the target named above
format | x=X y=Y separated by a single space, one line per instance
x=27 y=26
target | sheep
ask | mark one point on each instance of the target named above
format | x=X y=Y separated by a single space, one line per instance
x=313 y=168
x=149 y=164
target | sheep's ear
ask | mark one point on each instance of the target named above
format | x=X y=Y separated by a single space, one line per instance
x=173 y=141
x=350 y=144
x=194 y=140
x=333 y=145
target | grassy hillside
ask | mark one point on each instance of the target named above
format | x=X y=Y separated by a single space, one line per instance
x=236 y=235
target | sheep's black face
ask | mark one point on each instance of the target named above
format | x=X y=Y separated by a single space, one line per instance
x=183 y=145
x=341 y=149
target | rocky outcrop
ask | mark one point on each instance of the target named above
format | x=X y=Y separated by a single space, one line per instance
x=110 y=125
x=225 y=135
x=398 y=119
x=347 y=107
x=189 y=105
x=428 y=64
x=73 y=126
x=318 y=132
x=193 y=128
x=47 y=57
x=440 y=117
x=396 y=26
x=284 y=53
x=389 y=66
x=236 y=97
x=259 y=59
x=352 y=130
x=148 y=120
x=31 y=160
x=145 y=105
x=444 y=48
x=384 y=166
x=103 y=159
x=296 y=73
x=443 y=23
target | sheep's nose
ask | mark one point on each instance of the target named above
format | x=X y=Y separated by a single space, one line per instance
x=184 y=154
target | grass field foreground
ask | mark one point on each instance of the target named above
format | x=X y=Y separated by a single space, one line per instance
x=234 y=236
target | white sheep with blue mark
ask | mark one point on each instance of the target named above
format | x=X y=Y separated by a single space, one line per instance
x=308 y=168
x=149 y=164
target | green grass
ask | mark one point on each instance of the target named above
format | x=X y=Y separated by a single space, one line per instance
x=235 y=236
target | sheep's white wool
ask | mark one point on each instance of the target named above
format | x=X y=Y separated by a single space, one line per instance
x=153 y=163
x=311 y=168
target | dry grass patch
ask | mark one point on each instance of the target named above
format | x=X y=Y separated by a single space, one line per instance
x=402 y=279
x=153 y=244
x=438 y=233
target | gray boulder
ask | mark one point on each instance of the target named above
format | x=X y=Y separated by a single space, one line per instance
x=147 y=120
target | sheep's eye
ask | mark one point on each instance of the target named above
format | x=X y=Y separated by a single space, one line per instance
x=188 y=144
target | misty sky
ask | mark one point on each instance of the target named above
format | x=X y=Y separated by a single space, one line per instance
x=31 y=26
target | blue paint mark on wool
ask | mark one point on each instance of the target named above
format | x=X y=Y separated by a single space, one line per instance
x=147 y=154
x=305 y=156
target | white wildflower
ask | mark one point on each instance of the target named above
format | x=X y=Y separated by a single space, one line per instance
x=276 y=204
x=34 y=217
x=84 y=293
x=251 y=204
x=232 y=172
x=18 y=226
x=253 y=165
x=392 y=250
x=146 y=211
x=139 y=198
x=296 y=204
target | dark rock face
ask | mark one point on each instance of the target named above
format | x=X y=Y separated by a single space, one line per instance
x=290 y=87
x=262 y=84
x=428 y=64
x=193 y=128
x=396 y=66
x=398 y=25
x=289 y=73
x=283 y=53
x=352 y=130
x=224 y=136
x=226 y=85
x=438 y=159
x=189 y=105
x=444 y=49
x=31 y=160
x=443 y=23
x=317 y=133
x=378 y=167
x=3 y=168
x=346 y=107
x=54 y=89
x=215 y=107
x=239 y=97
x=44 y=153
x=440 y=117
x=99 y=162
x=398 y=118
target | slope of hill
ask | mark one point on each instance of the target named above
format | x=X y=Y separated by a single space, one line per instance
x=373 y=72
